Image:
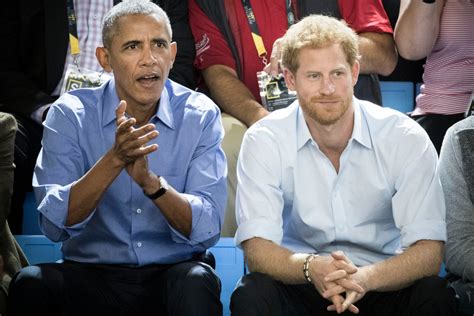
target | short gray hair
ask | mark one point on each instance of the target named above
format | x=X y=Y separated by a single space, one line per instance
x=132 y=7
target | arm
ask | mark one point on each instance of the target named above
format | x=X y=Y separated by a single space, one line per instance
x=459 y=209
x=378 y=52
x=417 y=28
x=232 y=95
x=129 y=146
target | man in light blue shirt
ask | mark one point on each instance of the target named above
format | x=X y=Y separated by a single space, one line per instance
x=339 y=204
x=131 y=179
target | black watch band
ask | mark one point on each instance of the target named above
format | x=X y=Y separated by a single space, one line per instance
x=162 y=190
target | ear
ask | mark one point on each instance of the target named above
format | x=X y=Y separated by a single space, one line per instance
x=290 y=79
x=355 y=72
x=103 y=57
x=174 y=49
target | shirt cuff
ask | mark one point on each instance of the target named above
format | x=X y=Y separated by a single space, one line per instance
x=262 y=228
x=426 y=229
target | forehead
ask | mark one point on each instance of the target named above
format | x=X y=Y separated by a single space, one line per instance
x=331 y=56
x=136 y=26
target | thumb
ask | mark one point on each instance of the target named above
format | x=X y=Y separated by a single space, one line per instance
x=120 y=111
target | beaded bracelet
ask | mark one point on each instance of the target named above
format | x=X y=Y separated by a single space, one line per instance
x=306 y=267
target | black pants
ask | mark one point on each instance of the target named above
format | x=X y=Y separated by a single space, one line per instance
x=71 y=288
x=258 y=294
x=27 y=147
x=436 y=126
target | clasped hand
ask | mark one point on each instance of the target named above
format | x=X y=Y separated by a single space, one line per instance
x=131 y=144
x=337 y=277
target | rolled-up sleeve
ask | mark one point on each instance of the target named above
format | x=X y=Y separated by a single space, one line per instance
x=58 y=166
x=205 y=187
x=259 y=201
x=418 y=204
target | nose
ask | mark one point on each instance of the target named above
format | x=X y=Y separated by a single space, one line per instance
x=327 y=87
x=148 y=58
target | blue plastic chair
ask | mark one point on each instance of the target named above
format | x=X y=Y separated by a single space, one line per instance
x=398 y=95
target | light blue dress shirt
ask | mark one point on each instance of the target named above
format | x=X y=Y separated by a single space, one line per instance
x=386 y=196
x=126 y=227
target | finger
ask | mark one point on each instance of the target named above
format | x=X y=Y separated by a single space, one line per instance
x=350 y=299
x=353 y=309
x=143 y=130
x=337 y=301
x=335 y=290
x=275 y=58
x=120 y=111
x=351 y=285
x=336 y=275
x=142 y=151
x=126 y=125
x=348 y=267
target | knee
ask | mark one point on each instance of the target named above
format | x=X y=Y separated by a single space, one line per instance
x=253 y=291
x=198 y=279
x=434 y=293
x=27 y=280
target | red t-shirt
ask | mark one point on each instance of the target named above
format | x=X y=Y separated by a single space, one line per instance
x=212 y=48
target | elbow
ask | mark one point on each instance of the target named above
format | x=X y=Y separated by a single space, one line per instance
x=389 y=66
x=409 y=50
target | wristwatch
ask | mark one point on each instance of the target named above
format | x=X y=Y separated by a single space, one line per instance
x=162 y=190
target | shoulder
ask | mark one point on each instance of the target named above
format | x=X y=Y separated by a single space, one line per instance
x=395 y=136
x=191 y=105
x=77 y=103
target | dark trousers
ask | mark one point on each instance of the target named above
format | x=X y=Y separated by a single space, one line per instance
x=436 y=126
x=258 y=294
x=71 y=288
x=27 y=147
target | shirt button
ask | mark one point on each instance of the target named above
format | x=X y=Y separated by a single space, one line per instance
x=139 y=211
x=139 y=244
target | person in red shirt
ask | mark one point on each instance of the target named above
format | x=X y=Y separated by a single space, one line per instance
x=229 y=61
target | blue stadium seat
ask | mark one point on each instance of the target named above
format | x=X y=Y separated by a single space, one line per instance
x=398 y=95
x=30 y=225
x=229 y=267
x=39 y=249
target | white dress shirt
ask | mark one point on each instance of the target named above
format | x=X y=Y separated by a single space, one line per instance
x=386 y=196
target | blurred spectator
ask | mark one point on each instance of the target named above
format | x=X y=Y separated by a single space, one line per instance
x=33 y=67
x=443 y=32
x=228 y=58
x=11 y=255
x=456 y=169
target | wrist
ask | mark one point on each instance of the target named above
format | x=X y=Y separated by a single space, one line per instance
x=157 y=188
x=306 y=267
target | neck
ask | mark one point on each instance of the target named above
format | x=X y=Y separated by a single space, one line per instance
x=332 y=139
x=141 y=113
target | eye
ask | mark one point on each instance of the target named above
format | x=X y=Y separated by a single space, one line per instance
x=338 y=73
x=314 y=76
x=160 y=44
x=131 y=47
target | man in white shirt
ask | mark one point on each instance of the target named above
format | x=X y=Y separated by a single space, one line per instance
x=339 y=204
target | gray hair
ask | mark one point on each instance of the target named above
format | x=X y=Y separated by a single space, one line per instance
x=131 y=7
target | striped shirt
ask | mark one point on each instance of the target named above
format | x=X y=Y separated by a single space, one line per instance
x=449 y=70
x=89 y=16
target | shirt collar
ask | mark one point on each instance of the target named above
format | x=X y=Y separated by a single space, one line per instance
x=164 y=112
x=360 y=132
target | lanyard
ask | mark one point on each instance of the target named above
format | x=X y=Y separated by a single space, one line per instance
x=73 y=38
x=257 y=38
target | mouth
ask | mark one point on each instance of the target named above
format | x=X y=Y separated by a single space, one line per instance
x=149 y=79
